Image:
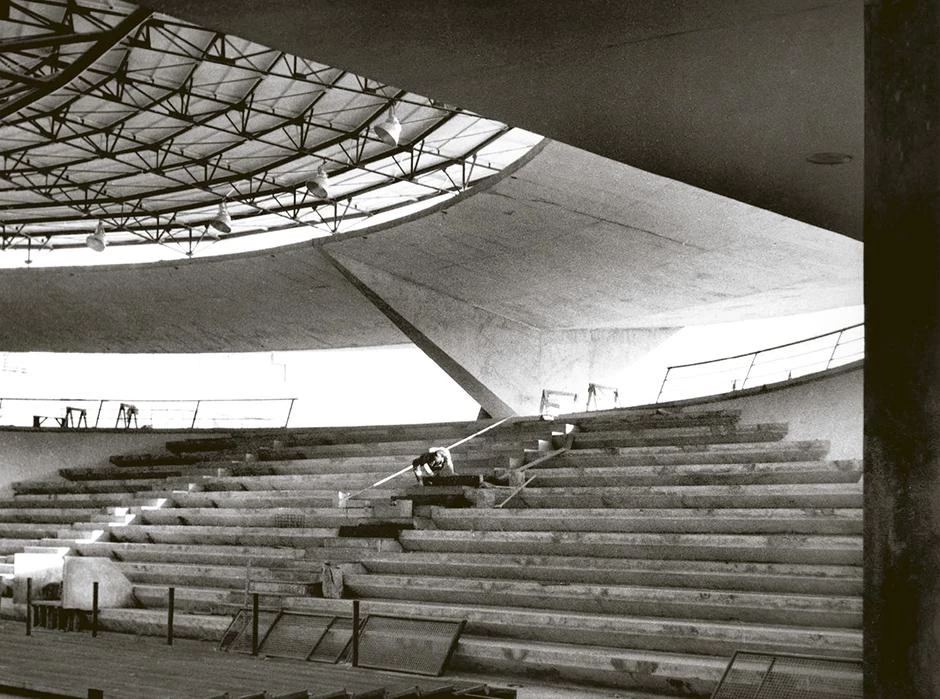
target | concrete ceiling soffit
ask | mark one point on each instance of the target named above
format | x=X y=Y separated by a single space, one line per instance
x=730 y=97
x=502 y=363
x=294 y=300
x=572 y=240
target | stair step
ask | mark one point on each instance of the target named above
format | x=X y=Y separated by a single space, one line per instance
x=674 y=603
x=800 y=496
x=715 y=575
x=672 y=436
x=317 y=499
x=92 y=501
x=9 y=545
x=236 y=555
x=625 y=418
x=363 y=544
x=719 y=638
x=757 y=452
x=152 y=622
x=246 y=536
x=214 y=576
x=685 y=675
x=678 y=520
x=43 y=515
x=256 y=517
x=65 y=487
x=779 y=548
x=848 y=471
x=185 y=599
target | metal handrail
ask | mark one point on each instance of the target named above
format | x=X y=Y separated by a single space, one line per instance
x=755 y=355
x=99 y=403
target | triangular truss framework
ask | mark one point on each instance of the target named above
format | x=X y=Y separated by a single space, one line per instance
x=111 y=113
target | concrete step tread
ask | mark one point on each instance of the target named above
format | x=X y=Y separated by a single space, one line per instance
x=679 y=520
x=49 y=513
x=91 y=501
x=266 y=519
x=525 y=563
x=117 y=547
x=848 y=641
x=690 y=674
x=687 y=596
x=737 y=433
x=775 y=548
x=826 y=495
x=314 y=497
x=309 y=569
x=10 y=545
x=796 y=450
x=445 y=514
x=749 y=472
x=146 y=591
x=229 y=530
x=757 y=488
x=762 y=540
x=653 y=417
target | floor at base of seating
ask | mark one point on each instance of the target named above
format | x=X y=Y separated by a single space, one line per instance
x=137 y=667
x=145 y=667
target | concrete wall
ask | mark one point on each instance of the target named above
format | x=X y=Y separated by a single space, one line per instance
x=29 y=453
x=821 y=406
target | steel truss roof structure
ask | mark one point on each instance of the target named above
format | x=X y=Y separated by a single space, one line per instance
x=110 y=113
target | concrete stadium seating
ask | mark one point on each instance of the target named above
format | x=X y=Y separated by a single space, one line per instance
x=647 y=550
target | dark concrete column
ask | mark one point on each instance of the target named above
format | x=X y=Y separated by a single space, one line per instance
x=902 y=377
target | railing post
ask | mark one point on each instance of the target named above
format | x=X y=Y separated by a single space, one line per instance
x=100 y=408
x=254 y=623
x=94 y=609
x=170 y=611
x=195 y=413
x=29 y=606
x=835 y=347
x=355 y=630
x=290 y=409
x=750 y=366
x=663 y=384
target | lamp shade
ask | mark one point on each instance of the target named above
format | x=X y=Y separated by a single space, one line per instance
x=223 y=220
x=96 y=241
x=319 y=184
x=389 y=130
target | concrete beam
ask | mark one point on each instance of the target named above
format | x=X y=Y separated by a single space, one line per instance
x=503 y=363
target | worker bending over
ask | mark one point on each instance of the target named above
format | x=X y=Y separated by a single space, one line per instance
x=432 y=462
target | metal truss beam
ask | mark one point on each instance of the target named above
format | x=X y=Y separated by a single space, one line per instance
x=105 y=43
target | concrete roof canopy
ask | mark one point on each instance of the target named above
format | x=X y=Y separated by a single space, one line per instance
x=576 y=261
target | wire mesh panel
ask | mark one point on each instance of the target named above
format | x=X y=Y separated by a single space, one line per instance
x=242 y=642
x=334 y=642
x=294 y=635
x=411 y=645
x=239 y=623
x=767 y=676
x=286 y=520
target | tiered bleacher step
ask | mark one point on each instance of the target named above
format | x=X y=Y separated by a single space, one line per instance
x=643 y=556
x=216 y=517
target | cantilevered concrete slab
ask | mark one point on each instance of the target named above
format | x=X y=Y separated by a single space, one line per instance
x=563 y=272
x=731 y=97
